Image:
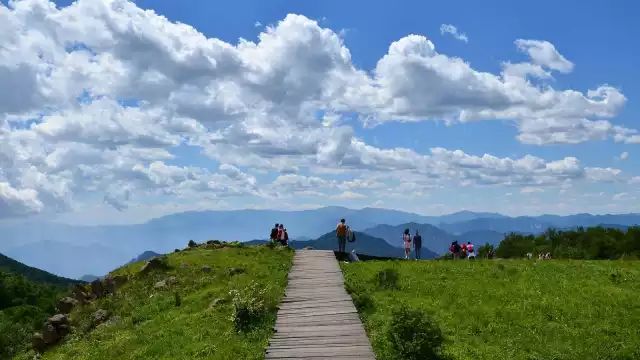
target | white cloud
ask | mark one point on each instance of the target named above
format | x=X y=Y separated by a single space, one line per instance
x=543 y=53
x=349 y=195
x=624 y=155
x=602 y=174
x=453 y=31
x=257 y=24
x=621 y=197
x=14 y=202
x=98 y=96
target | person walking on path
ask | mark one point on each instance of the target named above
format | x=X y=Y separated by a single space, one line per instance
x=341 y=234
x=417 y=244
x=406 y=239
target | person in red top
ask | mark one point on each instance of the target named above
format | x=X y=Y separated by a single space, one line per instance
x=463 y=248
x=470 y=251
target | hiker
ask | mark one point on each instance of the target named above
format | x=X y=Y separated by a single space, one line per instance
x=285 y=238
x=341 y=234
x=274 y=233
x=417 y=244
x=454 y=249
x=280 y=235
x=463 y=250
x=406 y=239
x=471 y=254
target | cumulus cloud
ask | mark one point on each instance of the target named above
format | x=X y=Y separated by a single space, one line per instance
x=543 y=53
x=14 y=202
x=99 y=95
x=453 y=31
x=624 y=155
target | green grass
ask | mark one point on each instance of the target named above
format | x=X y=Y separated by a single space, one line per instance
x=510 y=309
x=151 y=326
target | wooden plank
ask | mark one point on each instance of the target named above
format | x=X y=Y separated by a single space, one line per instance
x=317 y=319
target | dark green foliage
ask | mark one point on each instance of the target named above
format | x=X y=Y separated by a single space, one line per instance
x=9 y=265
x=387 y=279
x=24 y=305
x=592 y=243
x=177 y=299
x=485 y=250
x=414 y=335
x=249 y=307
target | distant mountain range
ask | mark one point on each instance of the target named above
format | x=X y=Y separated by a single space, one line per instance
x=433 y=238
x=73 y=251
x=364 y=244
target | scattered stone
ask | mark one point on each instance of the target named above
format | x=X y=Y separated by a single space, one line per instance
x=58 y=319
x=171 y=280
x=153 y=264
x=66 y=304
x=160 y=285
x=206 y=268
x=235 y=271
x=100 y=316
x=54 y=329
x=49 y=334
x=80 y=293
x=97 y=289
x=37 y=342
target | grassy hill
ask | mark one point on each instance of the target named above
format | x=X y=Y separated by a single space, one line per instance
x=186 y=311
x=10 y=265
x=506 y=309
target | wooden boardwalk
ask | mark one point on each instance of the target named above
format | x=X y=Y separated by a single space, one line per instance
x=317 y=319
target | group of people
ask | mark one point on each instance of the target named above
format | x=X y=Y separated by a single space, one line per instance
x=279 y=234
x=407 y=240
x=464 y=251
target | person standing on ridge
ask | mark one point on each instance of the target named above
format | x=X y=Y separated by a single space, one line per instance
x=274 y=233
x=406 y=239
x=417 y=244
x=341 y=234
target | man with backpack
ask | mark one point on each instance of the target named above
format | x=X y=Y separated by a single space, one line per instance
x=341 y=234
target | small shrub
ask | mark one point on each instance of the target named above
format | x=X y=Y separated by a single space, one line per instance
x=363 y=302
x=414 y=335
x=177 y=299
x=192 y=244
x=387 y=279
x=249 y=307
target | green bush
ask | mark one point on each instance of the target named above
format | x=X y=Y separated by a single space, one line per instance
x=249 y=307
x=387 y=279
x=414 y=335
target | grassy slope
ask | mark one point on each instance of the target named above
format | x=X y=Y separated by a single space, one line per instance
x=152 y=327
x=513 y=309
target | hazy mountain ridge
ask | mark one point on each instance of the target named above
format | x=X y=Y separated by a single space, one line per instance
x=74 y=251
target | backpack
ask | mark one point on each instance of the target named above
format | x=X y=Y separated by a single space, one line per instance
x=456 y=248
x=342 y=230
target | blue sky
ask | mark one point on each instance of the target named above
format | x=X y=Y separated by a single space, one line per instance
x=451 y=124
